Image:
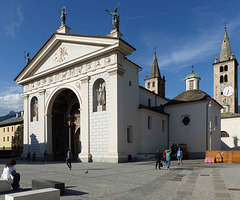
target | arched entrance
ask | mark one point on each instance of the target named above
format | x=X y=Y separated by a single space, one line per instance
x=65 y=125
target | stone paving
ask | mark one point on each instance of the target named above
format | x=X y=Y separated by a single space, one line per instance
x=137 y=180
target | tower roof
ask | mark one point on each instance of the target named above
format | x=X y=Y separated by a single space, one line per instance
x=155 y=72
x=192 y=75
x=225 y=50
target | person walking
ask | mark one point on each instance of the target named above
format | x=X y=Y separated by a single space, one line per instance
x=45 y=156
x=28 y=156
x=34 y=156
x=69 y=159
x=9 y=174
x=158 y=158
x=164 y=156
x=168 y=158
x=179 y=156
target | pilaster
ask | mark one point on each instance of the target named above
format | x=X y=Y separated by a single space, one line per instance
x=85 y=156
x=26 y=124
x=41 y=118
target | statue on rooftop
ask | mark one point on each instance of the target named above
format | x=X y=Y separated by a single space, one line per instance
x=27 y=58
x=63 y=16
x=115 y=18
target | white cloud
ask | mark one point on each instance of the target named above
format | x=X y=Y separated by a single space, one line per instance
x=11 y=99
x=11 y=18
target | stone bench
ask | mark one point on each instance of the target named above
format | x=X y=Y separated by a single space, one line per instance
x=5 y=186
x=47 y=193
x=42 y=183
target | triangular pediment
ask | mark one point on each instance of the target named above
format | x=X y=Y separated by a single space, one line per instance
x=63 y=50
x=63 y=53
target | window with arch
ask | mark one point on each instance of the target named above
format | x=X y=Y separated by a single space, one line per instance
x=221 y=69
x=226 y=78
x=99 y=95
x=34 y=109
x=225 y=68
x=224 y=134
x=221 y=79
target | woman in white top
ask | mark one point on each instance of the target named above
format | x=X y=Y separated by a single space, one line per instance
x=9 y=174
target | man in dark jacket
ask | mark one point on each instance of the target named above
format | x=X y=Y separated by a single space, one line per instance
x=158 y=158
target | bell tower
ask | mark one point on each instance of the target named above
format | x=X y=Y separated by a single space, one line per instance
x=155 y=82
x=226 y=77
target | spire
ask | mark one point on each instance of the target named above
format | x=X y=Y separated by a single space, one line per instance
x=155 y=72
x=225 y=50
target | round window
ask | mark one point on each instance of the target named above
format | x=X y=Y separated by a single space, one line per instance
x=186 y=120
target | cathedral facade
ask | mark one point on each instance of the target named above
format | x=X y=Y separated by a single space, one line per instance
x=82 y=92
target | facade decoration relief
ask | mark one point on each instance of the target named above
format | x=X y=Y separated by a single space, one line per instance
x=69 y=73
x=61 y=54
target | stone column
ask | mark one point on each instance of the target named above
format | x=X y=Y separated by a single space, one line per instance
x=85 y=156
x=26 y=124
x=41 y=118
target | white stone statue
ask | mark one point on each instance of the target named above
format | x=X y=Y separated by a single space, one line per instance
x=35 y=110
x=101 y=95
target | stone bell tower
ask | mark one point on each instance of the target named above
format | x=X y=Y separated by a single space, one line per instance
x=155 y=82
x=226 y=77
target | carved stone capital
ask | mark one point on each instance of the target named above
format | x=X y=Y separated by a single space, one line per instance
x=116 y=71
x=85 y=79
x=25 y=96
x=42 y=92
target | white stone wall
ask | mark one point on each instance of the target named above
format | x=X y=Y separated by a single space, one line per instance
x=35 y=139
x=144 y=95
x=231 y=126
x=215 y=128
x=156 y=137
x=193 y=134
x=98 y=122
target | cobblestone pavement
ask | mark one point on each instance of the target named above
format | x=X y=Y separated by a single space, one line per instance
x=137 y=180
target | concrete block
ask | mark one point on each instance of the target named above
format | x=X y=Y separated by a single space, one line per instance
x=41 y=183
x=48 y=193
x=5 y=186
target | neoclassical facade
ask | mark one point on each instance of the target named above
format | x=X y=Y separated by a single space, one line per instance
x=82 y=92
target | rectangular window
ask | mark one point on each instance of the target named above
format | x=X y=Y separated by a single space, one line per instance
x=153 y=84
x=149 y=122
x=190 y=85
x=148 y=85
x=7 y=138
x=129 y=135
x=12 y=128
x=4 y=130
x=3 y=139
x=7 y=129
x=163 y=125
x=149 y=102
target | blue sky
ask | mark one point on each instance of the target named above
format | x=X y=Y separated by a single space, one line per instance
x=185 y=33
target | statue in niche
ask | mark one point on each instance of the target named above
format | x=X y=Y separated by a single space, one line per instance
x=35 y=110
x=101 y=101
x=27 y=58
x=63 y=16
x=115 y=18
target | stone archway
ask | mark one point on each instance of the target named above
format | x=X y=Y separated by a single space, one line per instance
x=65 y=122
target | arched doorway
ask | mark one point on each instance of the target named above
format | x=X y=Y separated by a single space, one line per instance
x=65 y=124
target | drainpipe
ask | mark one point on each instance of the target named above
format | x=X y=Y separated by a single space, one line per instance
x=207 y=125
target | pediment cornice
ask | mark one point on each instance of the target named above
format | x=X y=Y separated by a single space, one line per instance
x=105 y=45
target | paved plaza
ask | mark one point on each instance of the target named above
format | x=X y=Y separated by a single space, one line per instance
x=137 y=180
